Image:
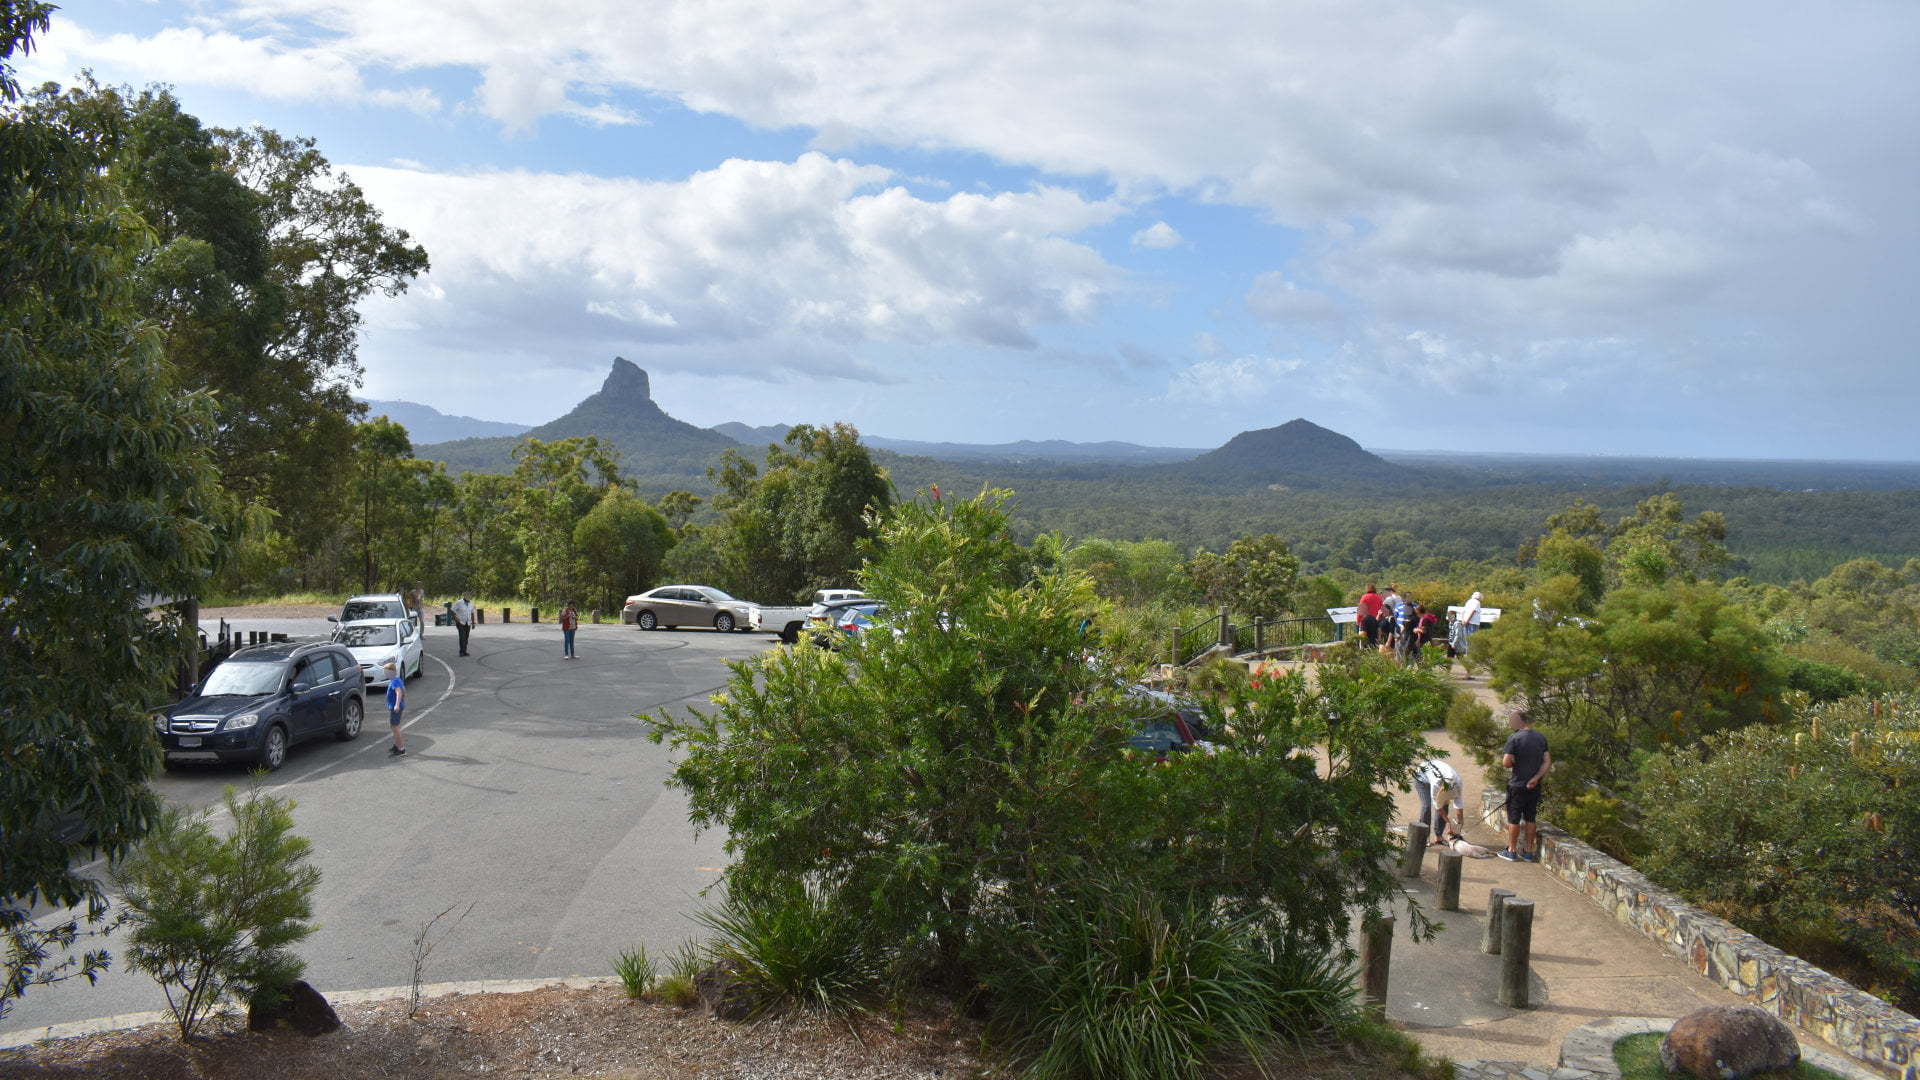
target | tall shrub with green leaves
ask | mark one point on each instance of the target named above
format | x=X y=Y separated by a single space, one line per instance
x=107 y=495
x=215 y=917
x=963 y=763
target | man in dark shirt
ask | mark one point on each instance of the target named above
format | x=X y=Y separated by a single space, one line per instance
x=1527 y=761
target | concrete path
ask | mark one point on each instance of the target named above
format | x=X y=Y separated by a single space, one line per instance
x=1586 y=965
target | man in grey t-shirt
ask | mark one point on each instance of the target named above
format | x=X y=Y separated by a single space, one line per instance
x=1527 y=761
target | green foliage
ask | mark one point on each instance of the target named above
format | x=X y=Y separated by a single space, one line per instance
x=1123 y=982
x=1217 y=676
x=1560 y=554
x=676 y=986
x=1653 y=668
x=1129 y=572
x=215 y=917
x=1602 y=822
x=1822 y=682
x=107 y=495
x=798 y=945
x=1472 y=725
x=1255 y=576
x=555 y=485
x=1786 y=830
x=637 y=971
x=799 y=521
x=954 y=775
x=622 y=542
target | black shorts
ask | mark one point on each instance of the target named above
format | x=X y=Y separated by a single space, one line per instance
x=1523 y=803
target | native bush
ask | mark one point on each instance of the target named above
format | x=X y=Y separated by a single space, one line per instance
x=213 y=918
x=799 y=945
x=965 y=766
x=1802 y=832
x=637 y=971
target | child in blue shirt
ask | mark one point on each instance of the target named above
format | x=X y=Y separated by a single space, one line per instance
x=396 y=708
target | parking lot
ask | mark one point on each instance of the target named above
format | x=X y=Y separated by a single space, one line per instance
x=528 y=790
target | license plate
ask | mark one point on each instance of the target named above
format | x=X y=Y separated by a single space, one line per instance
x=205 y=755
x=189 y=740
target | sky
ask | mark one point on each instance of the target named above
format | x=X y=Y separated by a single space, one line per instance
x=1591 y=226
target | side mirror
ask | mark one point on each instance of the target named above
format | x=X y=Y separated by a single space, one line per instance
x=301 y=686
x=333 y=618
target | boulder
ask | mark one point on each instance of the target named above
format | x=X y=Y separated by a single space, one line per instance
x=727 y=993
x=1728 y=1042
x=299 y=1006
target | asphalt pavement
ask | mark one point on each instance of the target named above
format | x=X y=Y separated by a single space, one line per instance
x=529 y=793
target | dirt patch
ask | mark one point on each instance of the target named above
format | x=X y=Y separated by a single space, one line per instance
x=560 y=1032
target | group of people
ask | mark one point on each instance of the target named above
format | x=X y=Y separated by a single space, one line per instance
x=1527 y=761
x=1395 y=624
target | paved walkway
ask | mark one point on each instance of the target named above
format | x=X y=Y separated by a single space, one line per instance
x=1586 y=965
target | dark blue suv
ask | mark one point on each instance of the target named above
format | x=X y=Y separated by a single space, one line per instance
x=261 y=701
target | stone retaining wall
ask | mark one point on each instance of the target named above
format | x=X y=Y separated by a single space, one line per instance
x=1861 y=1025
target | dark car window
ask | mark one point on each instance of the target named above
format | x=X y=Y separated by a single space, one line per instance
x=373 y=609
x=246 y=678
x=375 y=634
x=319 y=670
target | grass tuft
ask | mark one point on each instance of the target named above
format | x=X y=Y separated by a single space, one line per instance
x=1639 y=1059
x=802 y=947
x=637 y=971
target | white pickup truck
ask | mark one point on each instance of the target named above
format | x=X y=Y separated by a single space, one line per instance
x=788 y=622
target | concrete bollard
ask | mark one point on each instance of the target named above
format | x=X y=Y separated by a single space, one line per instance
x=1416 y=852
x=1496 y=898
x=506 y=614
x=1450 y=880
x=1516 y=946
x=1376 y=956
x=594 y=614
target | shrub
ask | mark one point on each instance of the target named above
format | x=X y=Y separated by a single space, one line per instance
x=1822 y=682
x=637 y=971
x=1121 y=982
x=213 y=917
x=676 y=986
x=1217 y=675
x=1602 y=822
x=800 y=945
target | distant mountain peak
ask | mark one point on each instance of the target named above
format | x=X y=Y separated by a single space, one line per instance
x=626 y=381
x=1296 y=450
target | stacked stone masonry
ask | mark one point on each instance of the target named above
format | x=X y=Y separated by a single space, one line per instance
x=1863 y=1026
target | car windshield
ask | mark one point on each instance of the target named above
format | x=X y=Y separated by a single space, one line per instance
x=245 y=678
x=355 y=637
x=713 y=594
x=372 y=609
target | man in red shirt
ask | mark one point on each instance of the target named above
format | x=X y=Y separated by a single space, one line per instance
x=1369 y=615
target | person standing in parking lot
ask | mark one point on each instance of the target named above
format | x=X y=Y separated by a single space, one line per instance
x=463 y=621
x=396 y=706
x=569 y=622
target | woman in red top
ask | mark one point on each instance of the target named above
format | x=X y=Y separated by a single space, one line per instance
x=1369 y=615
x=569 y=622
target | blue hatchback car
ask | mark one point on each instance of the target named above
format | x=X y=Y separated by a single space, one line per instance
x=261 y=701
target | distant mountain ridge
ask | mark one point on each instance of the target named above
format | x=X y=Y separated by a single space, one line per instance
x=622 y=412
x=1298 y=453
x=426 y=424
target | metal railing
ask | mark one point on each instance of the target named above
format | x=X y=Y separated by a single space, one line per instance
x=1254 y=636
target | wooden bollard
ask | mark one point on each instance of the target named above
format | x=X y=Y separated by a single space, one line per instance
x=594 y=614
x=1376 y=955
x=535 y=617
x=1450 y=880
x=506 y=614
x=1516 y=946
x=1416 y=852
x=1496 y=898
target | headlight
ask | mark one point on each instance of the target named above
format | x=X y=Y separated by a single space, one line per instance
x=160 y=723
x=243 y=721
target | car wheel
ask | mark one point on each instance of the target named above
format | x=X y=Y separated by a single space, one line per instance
x=790 y=636
x=350 y=725
x=723 y=622
x=273 y=752
x=646 y=621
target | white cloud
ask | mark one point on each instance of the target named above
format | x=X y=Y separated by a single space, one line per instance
x=1240 y=380
x=1274 y=298
x=1157 y=237
x=790 y=265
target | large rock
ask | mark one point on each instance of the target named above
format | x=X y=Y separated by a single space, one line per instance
x=729 y=995
x=299 y=1006
x=1728 y=1042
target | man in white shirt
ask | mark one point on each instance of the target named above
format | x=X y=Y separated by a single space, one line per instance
x=463 y=621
